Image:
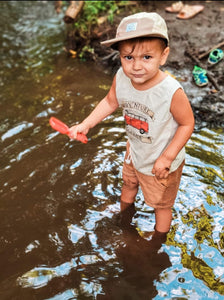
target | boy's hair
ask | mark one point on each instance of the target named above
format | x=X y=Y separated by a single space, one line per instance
x=135 y=41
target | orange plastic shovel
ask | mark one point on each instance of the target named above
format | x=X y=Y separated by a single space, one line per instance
x=64 y=129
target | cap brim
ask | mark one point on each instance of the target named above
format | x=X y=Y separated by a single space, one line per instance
x=112 y=42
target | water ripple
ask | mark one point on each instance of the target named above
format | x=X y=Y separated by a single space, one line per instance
x=16 y=130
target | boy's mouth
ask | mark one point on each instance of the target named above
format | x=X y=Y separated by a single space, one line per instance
x=137 y=75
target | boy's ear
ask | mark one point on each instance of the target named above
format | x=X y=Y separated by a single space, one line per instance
x=165 y=55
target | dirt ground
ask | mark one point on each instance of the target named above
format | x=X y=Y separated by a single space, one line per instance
x=198 y=34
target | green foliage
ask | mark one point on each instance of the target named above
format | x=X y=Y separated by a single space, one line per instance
x=91 y=12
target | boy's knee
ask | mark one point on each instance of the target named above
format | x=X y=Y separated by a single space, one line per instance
x=130 y=183
x=129 y=189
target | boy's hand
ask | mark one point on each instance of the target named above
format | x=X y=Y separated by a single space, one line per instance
x=161 y=167
x=74 y=130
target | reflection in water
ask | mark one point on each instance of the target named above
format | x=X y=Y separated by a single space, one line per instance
x=61 y=234
x=128 y=280
x=142 y=262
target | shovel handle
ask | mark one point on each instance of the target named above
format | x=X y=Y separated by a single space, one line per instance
x=64 y=129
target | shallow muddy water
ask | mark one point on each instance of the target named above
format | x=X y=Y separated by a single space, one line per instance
x=61 y=236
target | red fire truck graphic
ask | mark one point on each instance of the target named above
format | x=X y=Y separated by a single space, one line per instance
x=136 y=122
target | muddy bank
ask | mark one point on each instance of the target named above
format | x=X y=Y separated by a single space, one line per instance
x=197 y=35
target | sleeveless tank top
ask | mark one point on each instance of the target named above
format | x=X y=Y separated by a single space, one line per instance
x=150 y=126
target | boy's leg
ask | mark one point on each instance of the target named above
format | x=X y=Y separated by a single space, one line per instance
x=128 y=194
x=161 y=194
x=130 y=182
x=129 y=191
x=163 y=219
x=127 y=213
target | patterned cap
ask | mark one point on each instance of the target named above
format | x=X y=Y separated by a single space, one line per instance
x=139 y=25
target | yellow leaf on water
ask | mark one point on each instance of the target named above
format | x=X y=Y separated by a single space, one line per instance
x=104 y=87
x=73 y=53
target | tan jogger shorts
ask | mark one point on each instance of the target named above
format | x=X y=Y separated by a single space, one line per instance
x=158 y=193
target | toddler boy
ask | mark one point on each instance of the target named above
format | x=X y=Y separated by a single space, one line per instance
x=158 y=116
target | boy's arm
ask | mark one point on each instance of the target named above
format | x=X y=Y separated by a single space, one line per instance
x=183 y=114
x=103 y=109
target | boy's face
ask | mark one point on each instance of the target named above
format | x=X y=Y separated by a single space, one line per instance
x=141 y=61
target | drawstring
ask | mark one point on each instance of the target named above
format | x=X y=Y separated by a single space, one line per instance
x=128 y=159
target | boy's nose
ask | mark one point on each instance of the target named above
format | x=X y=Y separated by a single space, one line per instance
x=137 y=64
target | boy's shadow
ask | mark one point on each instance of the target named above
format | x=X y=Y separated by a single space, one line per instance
x=141 y=262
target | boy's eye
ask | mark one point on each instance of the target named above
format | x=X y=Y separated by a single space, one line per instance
x=128 y=57
x=147 y=57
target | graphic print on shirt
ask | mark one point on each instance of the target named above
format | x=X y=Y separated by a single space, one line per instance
x=137 y=118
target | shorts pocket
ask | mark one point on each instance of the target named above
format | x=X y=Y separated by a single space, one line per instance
x=162 y=183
